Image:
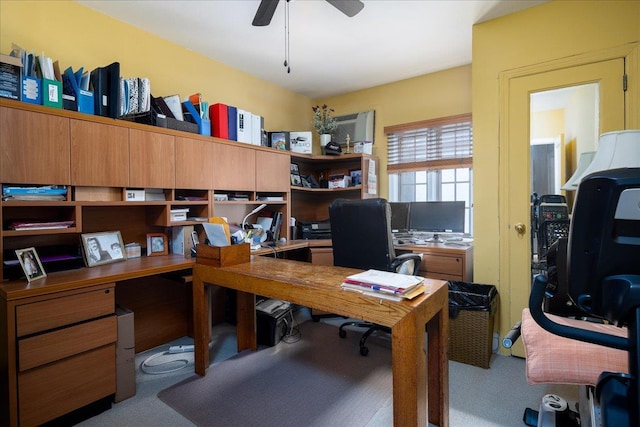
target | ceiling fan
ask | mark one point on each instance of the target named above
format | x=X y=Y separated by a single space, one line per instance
x=268 y=7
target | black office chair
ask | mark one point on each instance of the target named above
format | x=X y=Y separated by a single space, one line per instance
x=603 y=276
x=361 y=238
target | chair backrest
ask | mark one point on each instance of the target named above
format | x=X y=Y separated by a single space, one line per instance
x=604 y=241
x=361 y=233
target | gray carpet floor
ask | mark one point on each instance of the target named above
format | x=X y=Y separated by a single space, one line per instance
x=478 y=397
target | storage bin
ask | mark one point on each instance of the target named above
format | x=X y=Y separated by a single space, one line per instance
x=472 y=309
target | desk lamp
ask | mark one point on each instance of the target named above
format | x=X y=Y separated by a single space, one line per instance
x=255 y=211
x=618 y=149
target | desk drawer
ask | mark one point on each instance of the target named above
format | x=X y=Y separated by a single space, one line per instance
x=56 y=312
x=55 y=389
x=450 y=266
x=45 y=348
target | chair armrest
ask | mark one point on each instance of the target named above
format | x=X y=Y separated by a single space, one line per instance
x=402 y=259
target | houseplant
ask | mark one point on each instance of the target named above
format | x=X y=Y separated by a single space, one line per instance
x=324 y=123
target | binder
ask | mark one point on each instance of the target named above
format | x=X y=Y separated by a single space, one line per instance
x=99 y=85
x=113 y=89
x=256 y=129
x=232 y=116
x=219 y=120
x=244 y=126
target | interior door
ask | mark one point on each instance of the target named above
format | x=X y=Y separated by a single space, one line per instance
x=515 y=240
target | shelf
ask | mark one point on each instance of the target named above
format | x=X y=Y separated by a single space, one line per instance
x=19 y=233
x=326 y=190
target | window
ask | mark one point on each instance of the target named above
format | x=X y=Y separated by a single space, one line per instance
x=431 y=160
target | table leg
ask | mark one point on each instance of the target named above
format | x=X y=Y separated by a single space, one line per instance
x=200 y=327
x=409 y=365
x=438 y=360
x=246 y=321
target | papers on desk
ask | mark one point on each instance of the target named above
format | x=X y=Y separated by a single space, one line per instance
x=216 y=234
x=384 y=284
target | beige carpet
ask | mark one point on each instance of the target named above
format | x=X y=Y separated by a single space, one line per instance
x=320 y=380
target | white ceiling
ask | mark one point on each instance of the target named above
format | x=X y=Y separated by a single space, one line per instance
x=330 y=54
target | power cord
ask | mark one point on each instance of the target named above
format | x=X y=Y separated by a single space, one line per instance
x=293 y=335
x=150 y=369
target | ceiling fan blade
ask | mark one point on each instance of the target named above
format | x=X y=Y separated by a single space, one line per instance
x=265 y=12
x=348 y=7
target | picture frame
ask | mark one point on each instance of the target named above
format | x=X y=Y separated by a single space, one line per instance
x=30 y=263
x=296 y=180
x=102 y=248
x=356 y=176
x=157 y=244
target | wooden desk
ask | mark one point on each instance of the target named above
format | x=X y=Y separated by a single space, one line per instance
x=59 y=333
x=318 y=286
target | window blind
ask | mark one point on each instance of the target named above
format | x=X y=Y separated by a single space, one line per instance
x=432 y=144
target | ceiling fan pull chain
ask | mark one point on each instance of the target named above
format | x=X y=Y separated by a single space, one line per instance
x=287 y=58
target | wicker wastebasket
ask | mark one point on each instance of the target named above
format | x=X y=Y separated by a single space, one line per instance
x=472 y=309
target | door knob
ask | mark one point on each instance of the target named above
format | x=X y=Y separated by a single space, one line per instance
x=520 y=228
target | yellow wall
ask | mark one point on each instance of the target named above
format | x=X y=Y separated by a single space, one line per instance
x=77 y=36
x=554 y=30
x=430 y=96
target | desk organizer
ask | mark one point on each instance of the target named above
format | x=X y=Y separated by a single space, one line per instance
x=221 y=256
x=472 y=309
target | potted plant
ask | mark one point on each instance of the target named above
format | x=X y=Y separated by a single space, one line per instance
x=324 y=123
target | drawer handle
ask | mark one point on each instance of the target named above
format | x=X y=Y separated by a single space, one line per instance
x=106 y=291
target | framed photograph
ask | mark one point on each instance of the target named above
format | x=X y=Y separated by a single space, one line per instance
x=102 y=248
x=295 y=175
x=356 y=176
x=157 y=244
x=30 y=263
x=296 y=180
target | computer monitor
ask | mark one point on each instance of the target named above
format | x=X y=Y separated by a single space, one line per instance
x=437 y=218
x=399 y=216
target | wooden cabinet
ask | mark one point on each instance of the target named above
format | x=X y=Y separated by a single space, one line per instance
x=272 y=171
x=151 y=160
x=440 y=261
x=34 y=147
x=194 y=163
x=99 y=154
x=234 y=168
x=60 y=353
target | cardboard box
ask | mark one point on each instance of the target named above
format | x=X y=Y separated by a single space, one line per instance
x=300 y=142
x=10 y=77
x=363 y=147
x=339 y=181
x=134 y=195
x=125 y=355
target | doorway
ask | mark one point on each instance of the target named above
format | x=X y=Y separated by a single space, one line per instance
x=608 y=114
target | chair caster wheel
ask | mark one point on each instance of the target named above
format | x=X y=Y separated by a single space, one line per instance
x=364 y=351
x=342 y=333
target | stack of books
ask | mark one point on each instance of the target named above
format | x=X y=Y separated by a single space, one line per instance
x=44 y=192
x=385 y=284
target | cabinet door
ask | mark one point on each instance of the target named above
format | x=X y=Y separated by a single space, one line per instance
x=234 y=168
x=34 y=148
x=272 y=171
x=152 y=159
x=194 y=161
x=99 y=154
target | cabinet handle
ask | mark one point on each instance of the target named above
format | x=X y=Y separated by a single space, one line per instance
x=106 y=291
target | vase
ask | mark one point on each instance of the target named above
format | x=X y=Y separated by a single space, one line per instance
x=325 y=138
